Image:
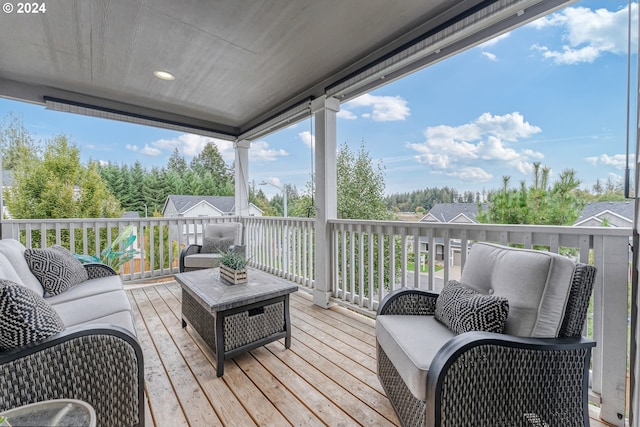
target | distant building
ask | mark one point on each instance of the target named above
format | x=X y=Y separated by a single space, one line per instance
x=131 y=215
x=611 y=214
x=452 y=213
x=191 y=206
x=460 y=213
x=200 y=206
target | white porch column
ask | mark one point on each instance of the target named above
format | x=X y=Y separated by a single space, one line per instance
x=242 y=177
x=324 y=110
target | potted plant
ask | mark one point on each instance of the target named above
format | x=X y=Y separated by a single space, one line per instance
x=118 y=253
x=233 y=267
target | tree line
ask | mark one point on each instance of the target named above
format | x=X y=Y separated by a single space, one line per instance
x=49 y=181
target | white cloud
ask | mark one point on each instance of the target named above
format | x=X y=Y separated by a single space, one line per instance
x=150 y=151
x=131 y=147
x=617 y=161
x=346 y=114
x=191 y=145
x=494 y=41
x=260 y=151
x=384 y=108
x=456 y=151
x=587 y=33
x=491 y=56
x=471 y=174
x=308 y=139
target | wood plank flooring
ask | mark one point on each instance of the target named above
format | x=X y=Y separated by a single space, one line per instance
x=326 y=378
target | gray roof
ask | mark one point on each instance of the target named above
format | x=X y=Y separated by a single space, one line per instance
x=447 y=212
x=226 y=204
x=593 y=209
x=131 y=214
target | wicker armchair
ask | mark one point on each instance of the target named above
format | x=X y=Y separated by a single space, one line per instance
x=491 y=379
x=193 y=257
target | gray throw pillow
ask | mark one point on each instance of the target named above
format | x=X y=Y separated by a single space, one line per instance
x=56 y=268
x=25 y=317
x=462 y=309
x=214 y=246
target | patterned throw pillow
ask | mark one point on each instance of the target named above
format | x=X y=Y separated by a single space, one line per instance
x=25 y=317
x=56 y=268
x=214 y=246
x=462 y=309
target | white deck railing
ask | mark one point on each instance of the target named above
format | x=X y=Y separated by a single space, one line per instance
x=371 y=258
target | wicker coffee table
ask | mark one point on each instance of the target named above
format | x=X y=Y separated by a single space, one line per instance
x=233 y=319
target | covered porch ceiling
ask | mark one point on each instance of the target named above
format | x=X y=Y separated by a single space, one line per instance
x=243 y=68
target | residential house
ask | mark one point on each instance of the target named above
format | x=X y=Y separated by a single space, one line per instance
x=201 y=206
x=459 y=213
x=606 y=214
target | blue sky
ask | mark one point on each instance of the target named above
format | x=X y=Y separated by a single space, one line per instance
x=553 y=92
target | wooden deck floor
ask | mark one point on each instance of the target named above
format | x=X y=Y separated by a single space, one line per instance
x=327 y=377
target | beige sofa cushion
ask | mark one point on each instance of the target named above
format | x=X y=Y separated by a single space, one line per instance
x=89 y=288
x=537 y=285
x=412 y=342
x=91 y=308
x=14 y=252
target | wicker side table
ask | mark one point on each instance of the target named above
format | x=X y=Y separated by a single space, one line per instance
x=233 y=319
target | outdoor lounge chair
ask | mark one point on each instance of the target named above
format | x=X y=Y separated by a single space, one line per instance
x=533 y=374
x=217 y=239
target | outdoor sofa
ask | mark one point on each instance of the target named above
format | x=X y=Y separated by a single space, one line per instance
x=93 y=355
x=501 y=347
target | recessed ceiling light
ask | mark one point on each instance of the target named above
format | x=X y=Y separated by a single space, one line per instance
x=164 y=75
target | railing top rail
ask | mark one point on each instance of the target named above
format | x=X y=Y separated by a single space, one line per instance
x=126 y=220
x=596 y=231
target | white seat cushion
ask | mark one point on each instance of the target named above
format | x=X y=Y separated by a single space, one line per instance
x=83 y=310
x=124 y=319
x=202 y=260
x=411 y=343
x=86 y=289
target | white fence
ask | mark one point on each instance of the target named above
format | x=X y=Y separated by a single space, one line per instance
x=371 y=258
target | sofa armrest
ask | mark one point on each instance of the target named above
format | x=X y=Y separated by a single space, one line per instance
x=97 y=270
x=99 y=364
x=533 y=381
x=408 y=301
x=189 y=250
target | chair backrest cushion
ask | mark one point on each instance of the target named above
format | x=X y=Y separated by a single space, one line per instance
x=218 y=237
x=536 y=283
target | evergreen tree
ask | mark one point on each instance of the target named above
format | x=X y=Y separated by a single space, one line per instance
x=58 y=186
x=540 y=203
x=16 y=143
x=155 y=190
x=136 y=184
x=360 y=186
x=177 y=163
x=210 y=162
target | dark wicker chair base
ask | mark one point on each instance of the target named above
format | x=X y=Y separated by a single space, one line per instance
x=487 y=382
x=103 y=367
